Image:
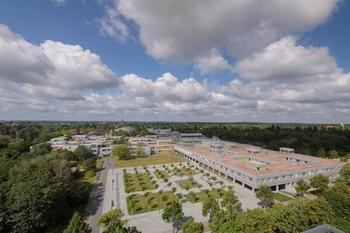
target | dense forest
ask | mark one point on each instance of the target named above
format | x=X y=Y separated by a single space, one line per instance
x=40 y=189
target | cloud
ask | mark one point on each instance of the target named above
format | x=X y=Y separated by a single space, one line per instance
x=187 y=29
x=211 y=63
x=59 y=2
x=51 y=64
x=282 y=82
x=21 y=61
x=283 y=59
x=166 y=87
x=111 y=25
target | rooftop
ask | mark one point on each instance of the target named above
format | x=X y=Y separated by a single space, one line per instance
x=261 y=161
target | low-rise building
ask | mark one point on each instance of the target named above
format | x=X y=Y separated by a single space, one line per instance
x=252 y=166
x=98 y=145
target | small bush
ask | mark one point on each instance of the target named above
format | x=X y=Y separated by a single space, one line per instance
x=164 y=198
x=90 y=174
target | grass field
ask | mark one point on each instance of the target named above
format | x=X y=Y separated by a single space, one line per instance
x=159 y=158
x=138 y=204
x=201 y=196
x=162 y=174
x=184 y=172
x=136 y=183
x=281 y=197
x=188 y=184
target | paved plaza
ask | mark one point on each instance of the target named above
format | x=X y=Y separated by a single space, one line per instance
x=151 y=222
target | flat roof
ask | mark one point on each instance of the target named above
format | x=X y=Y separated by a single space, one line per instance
x=268 y=161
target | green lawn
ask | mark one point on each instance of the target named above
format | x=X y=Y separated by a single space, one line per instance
x=184 y=172
x=138 y=182
x=281 y=197
x=201 y=196
x=138 y=204
x=188 y=184
x=159 y=158
x=162 y=174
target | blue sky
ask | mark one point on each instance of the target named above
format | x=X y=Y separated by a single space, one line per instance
x=183 y=61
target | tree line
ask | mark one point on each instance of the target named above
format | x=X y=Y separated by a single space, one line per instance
x=40 y=189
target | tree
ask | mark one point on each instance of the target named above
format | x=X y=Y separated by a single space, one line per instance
x=321 y=153
x=319 y=182
x=173 y=213
x=82 y=153
x=230 y=200
x=265 y=195
x=139 y=151
x=121 y=151
x=192 y=227
x=77 y=225
x=216 y=217
x=345 y=173
x=112 y=222
x=42 y=149
x=332 y=154
x=302 y=188
x=41 y=190
x=89 y=164
x=338 y=196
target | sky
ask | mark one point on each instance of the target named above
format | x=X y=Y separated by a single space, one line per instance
x=184 y=60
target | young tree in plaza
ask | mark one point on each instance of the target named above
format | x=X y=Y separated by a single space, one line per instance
x=319 y=182
x=111 y=222
x=192 y=227
x=302 y=188
x=265 y=194
x=173 y=213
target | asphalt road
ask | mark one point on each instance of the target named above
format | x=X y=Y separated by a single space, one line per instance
x=95 y=205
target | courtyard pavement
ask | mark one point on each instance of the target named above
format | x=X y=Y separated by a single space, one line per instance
x=151 y=222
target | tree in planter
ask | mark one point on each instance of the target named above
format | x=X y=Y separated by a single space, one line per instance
x=173 y=214
x=77 y=225
x=265 y=195
x=192 y=227
x=302 y=188
x=111 y=222
x=319 y=182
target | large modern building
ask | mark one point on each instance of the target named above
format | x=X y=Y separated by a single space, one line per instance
x=252 y=166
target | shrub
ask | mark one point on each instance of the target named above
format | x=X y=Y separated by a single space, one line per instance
x=139 y=209
x=90 y=174
x=179 y=195
x=173 y=189
x=164 y=198
x=154 y=206
x=146 y=194
x=169 y=184
x=165 y=179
